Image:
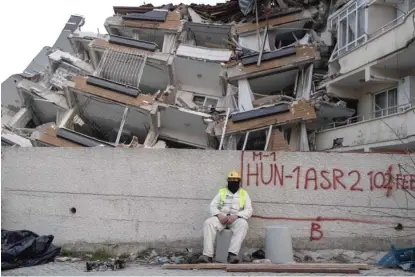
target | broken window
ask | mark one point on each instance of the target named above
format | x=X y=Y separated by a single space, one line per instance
x=271 y=138
x=350 y=24
x=205 y=101
x=385 y=102
x=254 y=140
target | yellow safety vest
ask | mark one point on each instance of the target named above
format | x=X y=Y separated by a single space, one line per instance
x=242 y=197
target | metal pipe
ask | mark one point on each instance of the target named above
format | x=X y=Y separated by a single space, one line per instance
x=268 y=137
x=224 y=129
x=262 y=48
x=246 y=140
x=124 y=117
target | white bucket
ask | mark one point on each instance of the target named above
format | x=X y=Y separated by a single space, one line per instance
x=278 y=245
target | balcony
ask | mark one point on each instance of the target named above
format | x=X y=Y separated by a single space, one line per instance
x=391 y=128
x=391 y=38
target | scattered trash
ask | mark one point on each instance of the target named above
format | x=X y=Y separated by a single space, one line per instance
x=246 y=257
x=401 y=257
x=308 y=258
x=24 y=248
x=259 y=254
x=162 y=260
x=62 y=259
x=132 y=257
x=177 y=259
x=112 y=264
x=67 y=259
x=153 y=253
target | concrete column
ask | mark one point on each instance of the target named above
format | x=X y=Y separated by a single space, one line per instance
x=153 y=133
x=94 y=57
x=295 y=138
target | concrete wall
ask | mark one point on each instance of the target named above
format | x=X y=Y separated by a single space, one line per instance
x=378 y=16
x=159 y=198
x=9 y=95
x=155 y=77
x=365 y=104
x=404 y=90
x=183 y=126
x=196 y=76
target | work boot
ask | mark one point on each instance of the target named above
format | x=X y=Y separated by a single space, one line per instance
x=203 y=259
x=232 y=258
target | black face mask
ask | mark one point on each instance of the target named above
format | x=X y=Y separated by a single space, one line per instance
x=233 y=186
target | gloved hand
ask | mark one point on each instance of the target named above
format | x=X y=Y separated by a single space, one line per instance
x=232 y=218
x=223 y=218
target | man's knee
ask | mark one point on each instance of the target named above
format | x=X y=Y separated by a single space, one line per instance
x=241 y=223
x=211 y=221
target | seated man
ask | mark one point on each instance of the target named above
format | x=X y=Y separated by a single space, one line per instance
x=230 y=208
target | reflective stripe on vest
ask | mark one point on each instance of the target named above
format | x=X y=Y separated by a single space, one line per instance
x=242 y=197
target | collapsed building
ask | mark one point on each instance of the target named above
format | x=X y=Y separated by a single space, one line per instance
x=241 y=75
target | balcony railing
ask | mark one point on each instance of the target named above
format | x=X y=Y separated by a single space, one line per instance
x=370 y=116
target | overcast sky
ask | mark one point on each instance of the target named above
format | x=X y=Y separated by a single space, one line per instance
x=28 y=25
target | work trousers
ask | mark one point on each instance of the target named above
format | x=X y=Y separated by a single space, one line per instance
x=212 y=225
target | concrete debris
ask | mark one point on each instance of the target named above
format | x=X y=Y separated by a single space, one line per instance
x=62 y=259
x=186 y=81
x=112 y=264
x=264 y=261
x=162 y=260
x=153 y=254
x=338 y=256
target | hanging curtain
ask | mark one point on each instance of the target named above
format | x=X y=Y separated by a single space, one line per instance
x=245 y=96
x=169 y=43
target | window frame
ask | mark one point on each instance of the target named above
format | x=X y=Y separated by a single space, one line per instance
x=343 y=15
x=387 y=110
x=206 y=98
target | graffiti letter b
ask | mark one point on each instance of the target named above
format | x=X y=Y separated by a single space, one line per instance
x=315 y=231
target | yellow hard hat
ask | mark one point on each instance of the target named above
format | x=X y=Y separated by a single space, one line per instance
x=234 y=175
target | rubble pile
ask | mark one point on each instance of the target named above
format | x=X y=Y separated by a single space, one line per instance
x=113 y=264
x=240 y=75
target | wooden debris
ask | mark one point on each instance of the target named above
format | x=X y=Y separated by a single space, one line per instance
x=49 y=137
x=292 y=269
x=195 y=266
x=359 y=266
x=295 y=268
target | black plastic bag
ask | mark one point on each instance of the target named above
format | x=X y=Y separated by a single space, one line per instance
x=24 y=248
x=259 y=254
